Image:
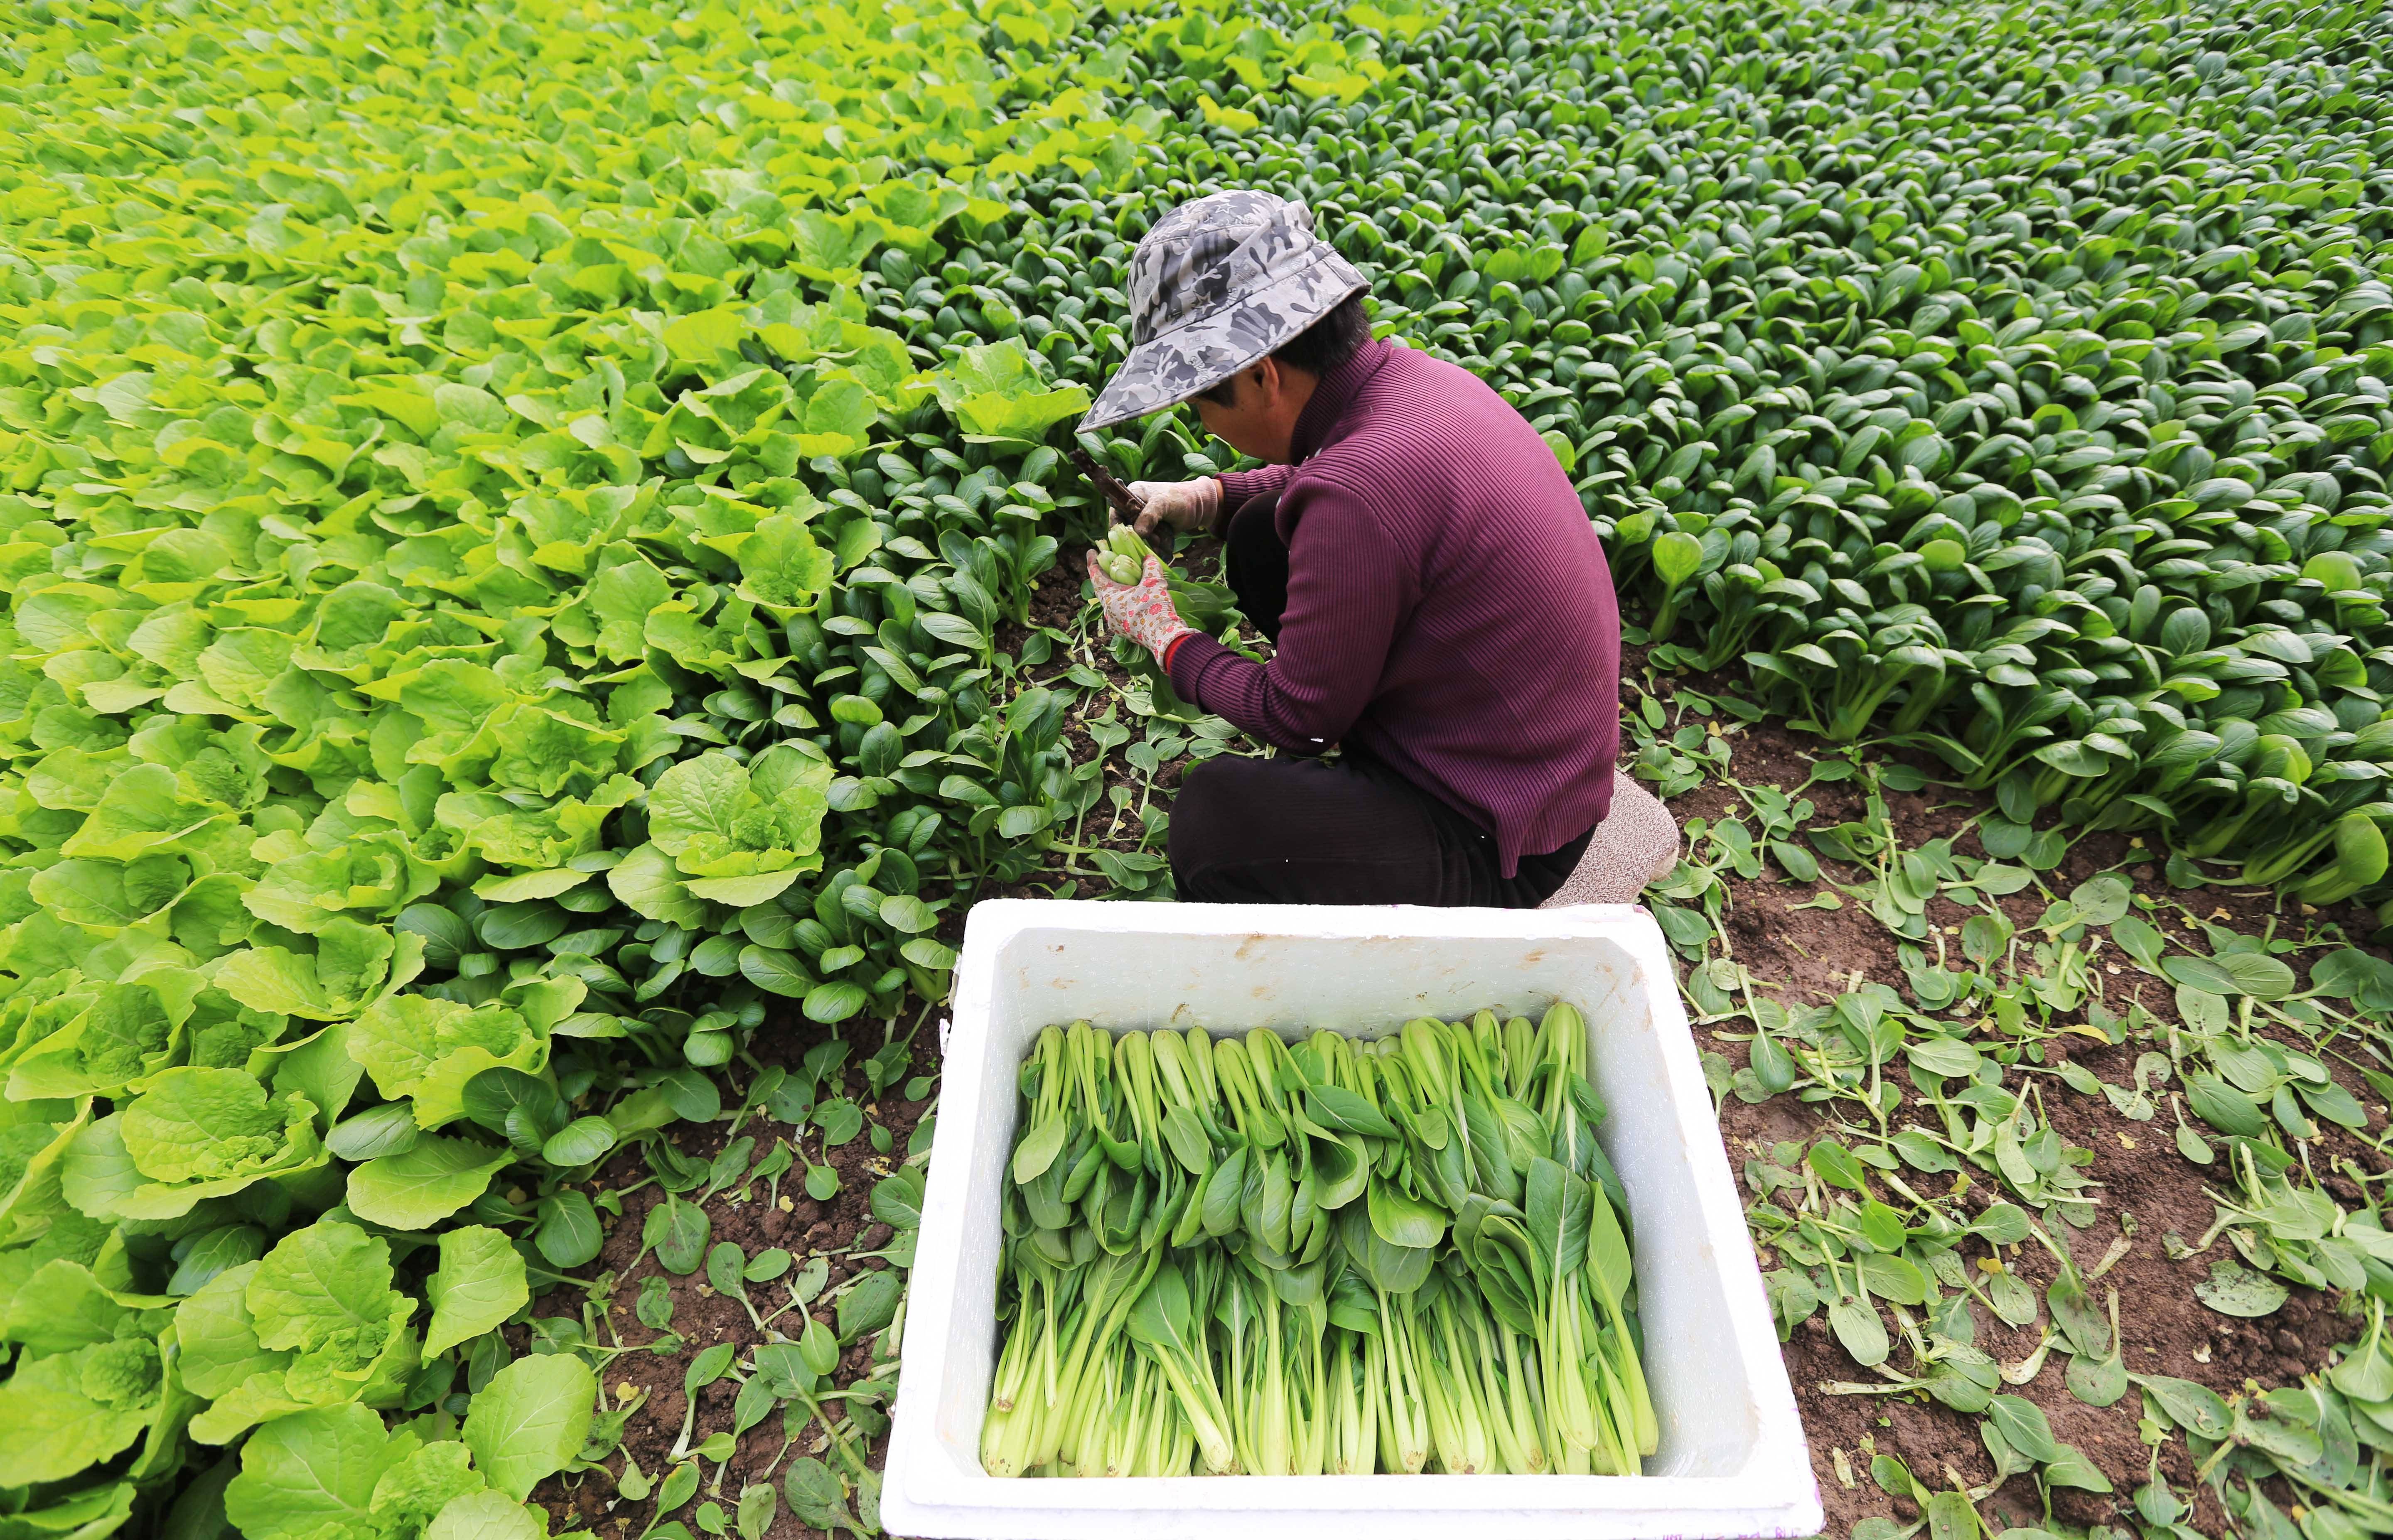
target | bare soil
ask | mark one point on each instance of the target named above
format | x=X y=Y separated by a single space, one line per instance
x=2147 y=1189
x=838 y=1230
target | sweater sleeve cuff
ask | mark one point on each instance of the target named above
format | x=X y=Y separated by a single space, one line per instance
x=1184 y=663
x=1169 y=648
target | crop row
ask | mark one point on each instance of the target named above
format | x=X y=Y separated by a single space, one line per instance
x=2044 y=429
x=461 y=664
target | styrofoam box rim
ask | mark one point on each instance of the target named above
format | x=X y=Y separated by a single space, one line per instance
x=925 y=1494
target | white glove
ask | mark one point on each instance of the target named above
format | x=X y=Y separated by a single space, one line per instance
x=1185 y=505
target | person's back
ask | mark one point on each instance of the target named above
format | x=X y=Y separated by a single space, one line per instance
x=1429 y=499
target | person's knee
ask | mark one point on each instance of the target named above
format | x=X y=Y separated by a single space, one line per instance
x=1203 y=818
x=1212 y=824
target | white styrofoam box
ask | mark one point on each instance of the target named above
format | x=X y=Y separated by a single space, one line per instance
x=1732 y=1460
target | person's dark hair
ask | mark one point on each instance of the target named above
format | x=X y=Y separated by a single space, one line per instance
x=1317 y=349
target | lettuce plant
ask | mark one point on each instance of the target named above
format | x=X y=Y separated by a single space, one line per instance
x=313 y=1322
x=195 y=1134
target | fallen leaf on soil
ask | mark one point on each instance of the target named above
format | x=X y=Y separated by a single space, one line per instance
x=2233 y=1289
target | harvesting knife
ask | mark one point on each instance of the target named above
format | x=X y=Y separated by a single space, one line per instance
x=1127 y=504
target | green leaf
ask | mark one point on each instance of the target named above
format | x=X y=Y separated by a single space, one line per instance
x=679 y=1485
x=303 y=1472
x=423 y=1185
x=740 y=838
x=326 y=1290
x=1185 y=1138
x=907 y=913
x=579 y=1142
x=1947 y=1056
x=2023 y=1425
x=1336 y=1108
x=385 y=1129
x=530 y=1420
x=2012 y=1300
x=2096 y=1381
x=2139 y=940
x=429 y=1049
x=1608 y=1261
x=839 y=1120
x=773 y=971
x=758 y=1505
x=816 y=1496
x=1219 y=1213
x=834 y=1001
x=1390 y=1268
x=1950 y=1517
x=1836 y=1165
x=743 y=892
x=2197 y=1408
x=869 y=1305
x=712 y=1363
x=898 y=1199
x=781 y=566
x=209 y=1127
x=676 y=1231
x=569 y=1234
x=1039 y=1149
x=1402 y=1219
x=996 y=389
x=1860 y=1330
x=1894 y=1278
x=2223 y=1106
x=2234 y=1289
x=704 y=337
x=349 y=962
x=726 y=1265
x=2069 y=1468
x=72 y=1409
x=2101 y=900
x=2079 y=1318
x=647 y=883
x=2350 y=974
x=480 y=1284
x=2253 y=974
x=1561 y=1219
x=486 y=1515
x=924 y=952
x=1676 y=556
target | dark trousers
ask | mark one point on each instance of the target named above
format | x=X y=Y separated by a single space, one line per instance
x=1352 y=829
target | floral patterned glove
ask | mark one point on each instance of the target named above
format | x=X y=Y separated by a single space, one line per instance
x=1142 y=611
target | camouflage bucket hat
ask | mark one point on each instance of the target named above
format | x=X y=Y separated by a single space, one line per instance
x=1217 y=285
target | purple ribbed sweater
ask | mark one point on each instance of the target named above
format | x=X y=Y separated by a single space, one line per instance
x=1448 y=606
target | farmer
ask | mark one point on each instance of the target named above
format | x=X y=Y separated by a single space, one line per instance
x=1440 y=616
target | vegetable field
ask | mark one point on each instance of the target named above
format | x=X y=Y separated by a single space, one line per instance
x=531 y=537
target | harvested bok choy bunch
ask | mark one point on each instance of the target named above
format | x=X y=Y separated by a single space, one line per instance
x=1242 y=1255
x=1122 y=556
x=1204 y=606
